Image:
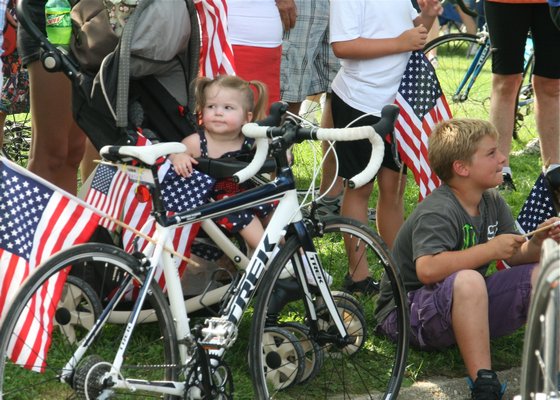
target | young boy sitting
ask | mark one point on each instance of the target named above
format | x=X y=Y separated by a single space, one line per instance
x=444 y=249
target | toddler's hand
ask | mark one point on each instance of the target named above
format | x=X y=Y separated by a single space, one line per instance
x=505 y=246
x=183 y=163
x=415 y=38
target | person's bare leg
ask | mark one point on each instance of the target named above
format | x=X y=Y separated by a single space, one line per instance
x=57 y=144
x=88 y=165
x=547 y=104
x=355 y=205
x=502 y=108
x=390 y=204
x=253 y=233
x=468 y=21
x=329 y=165
x=469 y=315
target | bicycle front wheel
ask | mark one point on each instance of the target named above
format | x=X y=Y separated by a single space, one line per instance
x=468 y=95
x=48 y=319
x=541 y=350
x=287 y=355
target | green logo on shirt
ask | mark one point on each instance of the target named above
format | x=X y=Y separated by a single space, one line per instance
x=469 y=236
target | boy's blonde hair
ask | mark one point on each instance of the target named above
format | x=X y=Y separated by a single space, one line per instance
x=456 y=139
x=234 y=82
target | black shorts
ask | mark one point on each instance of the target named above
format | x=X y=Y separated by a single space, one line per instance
x=353 y=156
x=509 y=25
x=28 y=48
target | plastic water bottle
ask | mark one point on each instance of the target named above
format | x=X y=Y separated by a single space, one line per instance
x=59 y=24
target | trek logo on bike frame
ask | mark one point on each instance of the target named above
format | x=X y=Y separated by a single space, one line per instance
x=315 y=266
x=250 y=280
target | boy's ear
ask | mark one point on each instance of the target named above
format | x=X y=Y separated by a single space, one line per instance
x=461 y=168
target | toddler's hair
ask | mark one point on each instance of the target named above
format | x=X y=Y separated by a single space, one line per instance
x=234 y=82
x=456 y=139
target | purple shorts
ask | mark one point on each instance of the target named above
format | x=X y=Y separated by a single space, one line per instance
x=509 y=293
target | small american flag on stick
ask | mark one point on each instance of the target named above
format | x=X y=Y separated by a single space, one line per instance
x=422 y=105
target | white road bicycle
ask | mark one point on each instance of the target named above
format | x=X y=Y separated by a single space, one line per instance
x=307 y=338
x=540 y=373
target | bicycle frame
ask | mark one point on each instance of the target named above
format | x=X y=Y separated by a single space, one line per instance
x=480 y=58
x=221 y=332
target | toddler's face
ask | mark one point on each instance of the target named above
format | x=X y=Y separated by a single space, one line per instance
x=223 y=113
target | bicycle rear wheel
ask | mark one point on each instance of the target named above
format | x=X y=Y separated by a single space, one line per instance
x=369 y=365
x=467 y=95
x=151 y=353
x=541 y=350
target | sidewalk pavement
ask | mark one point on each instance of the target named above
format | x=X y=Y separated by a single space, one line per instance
x=441 y=388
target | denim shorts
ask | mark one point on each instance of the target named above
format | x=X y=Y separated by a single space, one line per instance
x=28 y=47
x=509 y=294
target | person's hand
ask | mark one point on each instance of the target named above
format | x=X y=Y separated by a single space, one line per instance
x=183 y=163
x=430 y=8
x=288 y=13
x=553 y=233
x=415 y=38
x=505 y=246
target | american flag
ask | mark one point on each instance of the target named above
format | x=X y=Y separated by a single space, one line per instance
x=216 y=53
x=108 y=179
x=422 y=105
x=37 y=220
x=178 y=194
x=538 y=207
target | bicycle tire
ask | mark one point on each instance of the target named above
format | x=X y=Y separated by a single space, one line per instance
x=157 y=340
x=539 y=371
x=370 y=365
x=455 y=53
x=16 y=143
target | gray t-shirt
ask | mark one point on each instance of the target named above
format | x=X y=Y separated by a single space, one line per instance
x=439 y=224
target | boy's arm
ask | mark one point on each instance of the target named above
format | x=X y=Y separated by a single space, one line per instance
x=530 y=251
x=435 y=268
x=362 y=48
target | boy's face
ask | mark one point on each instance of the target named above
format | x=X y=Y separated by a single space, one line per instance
x=486 y=164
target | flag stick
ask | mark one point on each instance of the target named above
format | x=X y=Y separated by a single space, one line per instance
x=149 y=239
x=543 y=228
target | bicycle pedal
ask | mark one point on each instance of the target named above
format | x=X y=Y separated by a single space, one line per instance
x=218 y=333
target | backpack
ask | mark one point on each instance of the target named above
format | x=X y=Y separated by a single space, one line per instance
x=144 y=82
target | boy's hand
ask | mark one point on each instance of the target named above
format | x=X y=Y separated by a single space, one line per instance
x=505 y=246
x=430 y=8
x=553 y=233
x=415 y=38
x=183 y=163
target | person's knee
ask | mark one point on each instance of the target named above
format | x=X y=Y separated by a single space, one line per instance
x=546 y=87
x=469 y=284
x=506 y=85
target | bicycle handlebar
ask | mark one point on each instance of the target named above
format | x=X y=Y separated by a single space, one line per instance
x=256 y=163
x=373 y=133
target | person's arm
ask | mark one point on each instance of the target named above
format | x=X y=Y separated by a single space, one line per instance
x=183 y=162
x=362 y=48
x=288 y=13
x=530 y=251
x=435 y=268
x=429 y=10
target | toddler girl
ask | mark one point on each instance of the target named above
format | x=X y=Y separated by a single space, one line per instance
x=225 y=104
